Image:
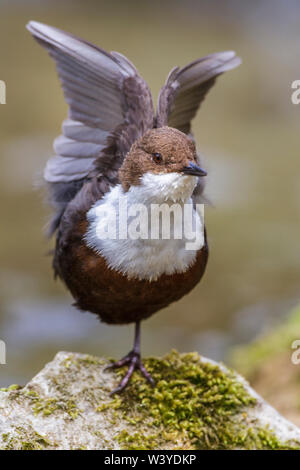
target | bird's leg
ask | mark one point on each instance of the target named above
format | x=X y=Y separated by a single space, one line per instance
x=133 y=359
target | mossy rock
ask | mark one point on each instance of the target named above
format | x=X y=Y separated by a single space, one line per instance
x=267 y=361
x=196 y=404
x=248 y=358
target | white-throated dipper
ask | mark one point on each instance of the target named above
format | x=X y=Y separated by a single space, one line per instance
x=115 y=149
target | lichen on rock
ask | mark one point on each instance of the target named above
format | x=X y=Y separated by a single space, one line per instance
x=196 y=404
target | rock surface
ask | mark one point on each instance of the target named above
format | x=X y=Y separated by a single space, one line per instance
x=196 y=404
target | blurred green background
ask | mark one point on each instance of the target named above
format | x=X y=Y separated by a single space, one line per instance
x=247 y=130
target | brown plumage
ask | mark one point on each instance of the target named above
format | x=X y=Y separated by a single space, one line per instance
x=94 y=286
x=113 y=138
x=110 y=294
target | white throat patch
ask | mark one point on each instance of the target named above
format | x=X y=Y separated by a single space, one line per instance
x=146 y=258
x=172 y=187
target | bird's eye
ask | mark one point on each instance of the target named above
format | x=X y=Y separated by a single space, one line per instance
x=157 y=157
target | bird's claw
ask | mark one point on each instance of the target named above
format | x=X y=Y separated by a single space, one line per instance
x=134 y=360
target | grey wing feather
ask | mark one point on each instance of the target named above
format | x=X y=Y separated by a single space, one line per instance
x=185 y=89
x=110 y=106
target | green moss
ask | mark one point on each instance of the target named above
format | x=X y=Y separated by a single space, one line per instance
x=85 y=360
x=25 y=439
x=194 y=405
x=247 y=358
x=137 y=441
x=48 y=406
x=10 y=388
x=45 y=406
x=90 y=360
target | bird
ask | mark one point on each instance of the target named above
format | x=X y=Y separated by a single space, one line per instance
x=114 y=148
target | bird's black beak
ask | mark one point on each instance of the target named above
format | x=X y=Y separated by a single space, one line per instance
x=193 y=169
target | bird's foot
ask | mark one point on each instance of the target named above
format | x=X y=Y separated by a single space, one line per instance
x=133 y=359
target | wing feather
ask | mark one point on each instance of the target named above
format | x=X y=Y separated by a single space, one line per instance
x=184 y=91
x=186 y=88
x=95 y=88
x=110 y=106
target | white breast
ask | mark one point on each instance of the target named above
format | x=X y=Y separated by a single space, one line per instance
x=135 y=253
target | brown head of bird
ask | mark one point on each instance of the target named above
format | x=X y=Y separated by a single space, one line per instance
x=160 y=151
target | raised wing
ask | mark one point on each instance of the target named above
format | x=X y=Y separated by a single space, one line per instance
x=185 y=89
x=107 y=100
x=110 y=106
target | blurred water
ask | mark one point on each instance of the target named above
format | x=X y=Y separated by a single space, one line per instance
x=247 y=131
